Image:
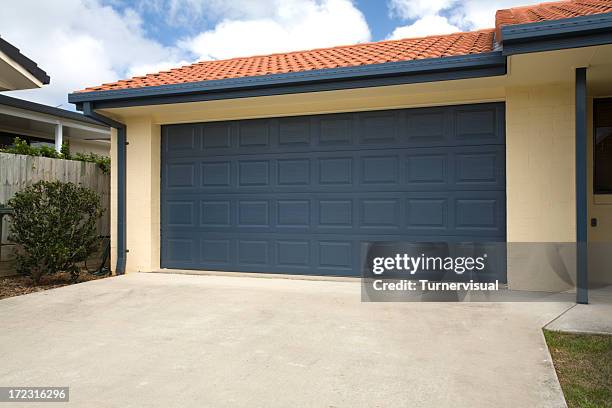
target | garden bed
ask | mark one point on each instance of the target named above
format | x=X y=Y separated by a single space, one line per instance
x=20 y=285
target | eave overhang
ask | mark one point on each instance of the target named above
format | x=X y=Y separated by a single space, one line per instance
x=576 y=32
x=392 y=73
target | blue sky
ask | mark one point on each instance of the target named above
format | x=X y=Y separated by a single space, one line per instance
x=376 y=12
x=88 y=42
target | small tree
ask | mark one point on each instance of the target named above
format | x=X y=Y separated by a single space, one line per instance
x=55 y=224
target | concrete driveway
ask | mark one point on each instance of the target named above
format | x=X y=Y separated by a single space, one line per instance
x=160 y=340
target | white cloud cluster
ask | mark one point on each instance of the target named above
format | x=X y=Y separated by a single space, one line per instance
x=78 y=43
x=426 y=25
x=288 y=25
x=427 y=17
x=82 y=43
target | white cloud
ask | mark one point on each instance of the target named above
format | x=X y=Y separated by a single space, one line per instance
x=476 y=14
x=289 y=25
x=463 y=14
x=427 y=25
x=411 y=9
x=83 y=43
x=78 y=43
x=188 y=11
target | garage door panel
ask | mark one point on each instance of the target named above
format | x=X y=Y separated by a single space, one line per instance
x=254 y=133
x=427 y=126
x=448 y=212
x=470 y=125
x=380 y=169
x=216 y=173
x=335 y=131
x=280 y=253
x=477 y=123
x=216 y=137
x=301 y=194
x=379 y=128
x=294 y=132
x=461 y=168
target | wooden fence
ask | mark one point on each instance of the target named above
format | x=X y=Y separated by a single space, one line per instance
x=18 y=171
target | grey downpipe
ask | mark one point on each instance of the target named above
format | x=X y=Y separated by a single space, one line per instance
x=88 y=110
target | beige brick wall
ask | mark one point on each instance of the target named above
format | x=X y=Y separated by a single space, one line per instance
x=143 y=194
x=540 y=138
x=143 y=188
x=540 y=171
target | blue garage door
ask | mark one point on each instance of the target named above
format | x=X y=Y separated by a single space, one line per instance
x=300 y=194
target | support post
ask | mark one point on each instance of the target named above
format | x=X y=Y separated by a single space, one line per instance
x=59 y=137
x=581 y=188
x=121 y=197
x=88 y=110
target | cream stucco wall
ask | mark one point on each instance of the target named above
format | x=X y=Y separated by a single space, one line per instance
x=143 y=195
x=84 y=146
x=142 y=207
x=540 y=155
x=540 y=186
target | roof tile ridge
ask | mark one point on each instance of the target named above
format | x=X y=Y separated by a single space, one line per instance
x=356 y=45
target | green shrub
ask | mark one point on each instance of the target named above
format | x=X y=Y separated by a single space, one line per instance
x=55 y=224
x=103 y=162
x=65 y=150
x=20 y=146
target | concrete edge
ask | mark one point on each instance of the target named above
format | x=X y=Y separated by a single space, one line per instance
x=570 y=331
x=552 y=365
x=256 y=275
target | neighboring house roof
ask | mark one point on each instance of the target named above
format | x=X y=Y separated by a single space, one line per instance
x=13 y=52
x=343 y=56
x=549 y=11
x=48 y=110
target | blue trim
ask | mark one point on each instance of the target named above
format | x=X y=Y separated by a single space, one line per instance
x=48 y=110
x=581 y=188
x=13 y=52
x=88 y=110
x=392 y=73
x=576 y=32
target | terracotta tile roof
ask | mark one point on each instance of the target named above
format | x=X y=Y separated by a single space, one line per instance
x=550 y=11
x=344 y=56
x=435 y=46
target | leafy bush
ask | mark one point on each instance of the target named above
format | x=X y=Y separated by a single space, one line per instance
x=103 y=162
x=65 y=150
x=20 y=146
x=55 y=224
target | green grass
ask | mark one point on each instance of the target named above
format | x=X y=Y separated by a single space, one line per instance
x=584 y=367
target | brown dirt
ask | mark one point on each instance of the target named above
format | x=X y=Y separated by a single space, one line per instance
x=20 y=285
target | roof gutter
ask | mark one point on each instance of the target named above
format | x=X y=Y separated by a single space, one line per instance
x=576 y=32
x=373 y=75
x=88 y=110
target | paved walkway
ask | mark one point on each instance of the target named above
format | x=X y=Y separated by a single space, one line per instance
x=596 y=317
x=160 y=340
